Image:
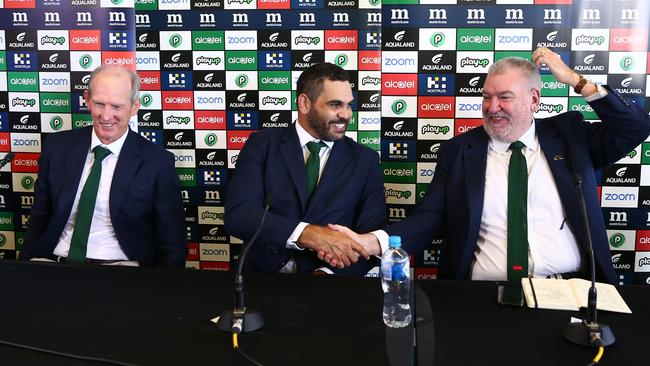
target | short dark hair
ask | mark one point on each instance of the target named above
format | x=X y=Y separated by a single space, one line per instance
x=311 y=80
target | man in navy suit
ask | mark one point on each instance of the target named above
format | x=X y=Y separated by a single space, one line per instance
x=271 y=171
x=466 y=202
x=138 y=216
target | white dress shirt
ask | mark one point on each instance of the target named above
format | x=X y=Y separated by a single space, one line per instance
x=102 y=242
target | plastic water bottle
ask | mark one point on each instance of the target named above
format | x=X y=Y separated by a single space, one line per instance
x=396 y=283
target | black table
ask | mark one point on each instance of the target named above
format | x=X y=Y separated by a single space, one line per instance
x=161 y=317
x=461 y=323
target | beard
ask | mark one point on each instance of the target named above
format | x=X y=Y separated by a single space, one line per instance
x=322 y=127
x=508 y=132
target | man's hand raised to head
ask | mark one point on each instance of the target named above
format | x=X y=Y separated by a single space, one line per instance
x=343 y=251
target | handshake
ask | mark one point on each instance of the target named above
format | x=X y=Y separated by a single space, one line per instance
x=337 y=245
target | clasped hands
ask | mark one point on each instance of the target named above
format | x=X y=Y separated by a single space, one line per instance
x=337 y=245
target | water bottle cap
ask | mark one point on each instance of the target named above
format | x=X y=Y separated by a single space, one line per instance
x=394 y=242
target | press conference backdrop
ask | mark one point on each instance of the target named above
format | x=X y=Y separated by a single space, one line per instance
x=214 y=71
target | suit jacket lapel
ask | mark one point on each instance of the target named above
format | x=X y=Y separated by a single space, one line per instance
x=336 y=163
x=127 y=164
x=474 y=161
x=291 y=154
x=75 y=160
x=554 y=151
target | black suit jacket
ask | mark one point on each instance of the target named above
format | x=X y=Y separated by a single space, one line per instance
x=145 y=200
x=271 y=167
x=453 y=204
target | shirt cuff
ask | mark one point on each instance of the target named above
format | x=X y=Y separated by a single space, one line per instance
x=601 y=93
x=326 y=270
x=382 y=237
x=291 y=242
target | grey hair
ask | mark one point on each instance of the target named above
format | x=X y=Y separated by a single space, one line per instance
x=133 y=76
x=527 y=68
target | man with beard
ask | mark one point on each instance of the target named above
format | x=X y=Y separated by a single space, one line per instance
x=469 y=202
x=309 y=174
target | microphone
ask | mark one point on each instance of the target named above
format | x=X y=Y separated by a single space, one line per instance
x=240 y=320
x=7 y=159
x=588 y=332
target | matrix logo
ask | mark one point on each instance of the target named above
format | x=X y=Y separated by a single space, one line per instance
x=398 y=106
x=617 y=240
x=56 y=123
x=241 y=80
x=175 y=40
x=437 y=39
x=85 y=61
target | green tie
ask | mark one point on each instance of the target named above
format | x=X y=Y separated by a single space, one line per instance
x=517 y=216
x=312 y=167
x=86 y=208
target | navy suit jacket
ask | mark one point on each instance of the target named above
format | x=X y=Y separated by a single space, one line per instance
x=271 y=167
x=145 y=200
x=453 y=204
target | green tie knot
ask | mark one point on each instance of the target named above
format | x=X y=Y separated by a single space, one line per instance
x=101 y=152
x=314 y=147
x=517 y=145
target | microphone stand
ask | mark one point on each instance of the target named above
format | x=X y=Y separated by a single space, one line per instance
x=240 y=319
x=589 y=332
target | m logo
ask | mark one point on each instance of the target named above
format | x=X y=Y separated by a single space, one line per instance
x=84 y=17
x=552 y=14
x=374 y=18
x=52 y=18
x=20 y=17
x=437 y=14
x=274 y=18
x=240 y=18
x=590 y=14
x=116 y=17
x=207 y=19
x=341 y=18
x=142 y=19
x=174 y=19
x=396 y=213
x=475 y=14
x=514 y=14
x=399 y=14
x=618 y=216
x=307 y=18
x=212 y=195
x=629 y=14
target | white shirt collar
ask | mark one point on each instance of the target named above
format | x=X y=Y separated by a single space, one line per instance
x=305 y=137
x=529 y=138
x=115 y=147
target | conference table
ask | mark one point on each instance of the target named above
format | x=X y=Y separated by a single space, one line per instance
x=156 y=316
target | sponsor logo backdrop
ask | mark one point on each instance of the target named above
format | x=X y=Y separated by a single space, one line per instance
x=214 y=71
